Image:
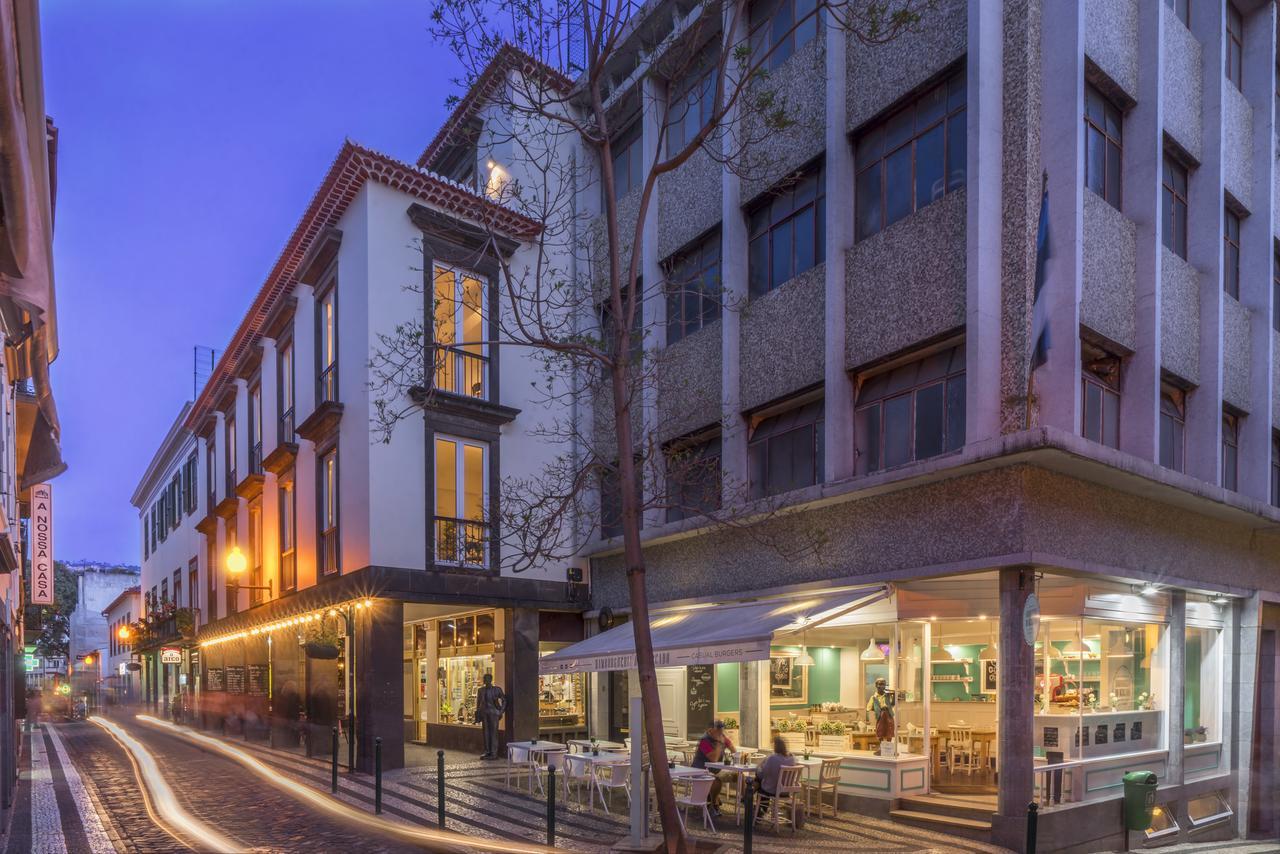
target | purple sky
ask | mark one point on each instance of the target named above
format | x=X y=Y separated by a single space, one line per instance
x=193 y=134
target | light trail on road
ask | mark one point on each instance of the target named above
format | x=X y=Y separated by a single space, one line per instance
x=161 y=804
x=436 y=838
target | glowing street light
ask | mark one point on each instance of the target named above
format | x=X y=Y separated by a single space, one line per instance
x=123 y=633
x=236 y=565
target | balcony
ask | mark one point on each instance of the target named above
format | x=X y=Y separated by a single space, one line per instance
x=462 y=372
x=323 y=421
x=462 y=542
x=286 y=426
x=255 y=458
x=327 y=559
x=327 y=385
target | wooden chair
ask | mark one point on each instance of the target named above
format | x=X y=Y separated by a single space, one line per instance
x=961 y=755
x=828 y=778
x=789 y=796
x=699 y=790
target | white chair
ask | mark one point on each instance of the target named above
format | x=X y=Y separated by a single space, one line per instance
x=696 y=796
x=518 y=764
x=611 y=776
x=961 y=755
x=828 y=778
x=552 y=759
x=790 y=787
x=577 y=770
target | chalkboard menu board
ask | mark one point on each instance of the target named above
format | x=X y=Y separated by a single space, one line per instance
x=1135 y=731
x=1118 y=735
x=1100 y=737
x=700 y=690
x=1050 y=736
x=216 y=682
x=235 y=679
x=258 y=680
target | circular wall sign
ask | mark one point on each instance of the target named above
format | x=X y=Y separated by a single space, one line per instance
x=1031 y=619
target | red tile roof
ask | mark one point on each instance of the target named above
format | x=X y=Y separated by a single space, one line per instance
x=353 y=166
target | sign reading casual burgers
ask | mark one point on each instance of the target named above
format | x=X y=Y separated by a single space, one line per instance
x=41 y=544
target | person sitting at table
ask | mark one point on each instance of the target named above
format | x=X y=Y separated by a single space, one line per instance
x=711 y=748
x=768 y=771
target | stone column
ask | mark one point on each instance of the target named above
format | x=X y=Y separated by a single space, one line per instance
x=379 y=683
x=839 y=178
x=1016 y=697
x=521 y=656
x=733 y=276
x=750 y=715
x=1177 y=646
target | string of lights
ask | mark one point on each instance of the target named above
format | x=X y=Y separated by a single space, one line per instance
x=289 y=622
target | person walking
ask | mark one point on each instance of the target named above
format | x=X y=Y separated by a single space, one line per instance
x=491 y=704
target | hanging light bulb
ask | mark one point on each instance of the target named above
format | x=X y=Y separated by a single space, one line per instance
x=804 y=659
x=1075 y=648
x=872 y=652
x=990 y=652
x=944 y=654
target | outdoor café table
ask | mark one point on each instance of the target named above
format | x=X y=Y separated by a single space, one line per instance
x=812 y=772
x=743 y=771
x=538 y=751
x=585 y=745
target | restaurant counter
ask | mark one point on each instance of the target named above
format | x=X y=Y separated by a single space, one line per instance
x=1103 y=734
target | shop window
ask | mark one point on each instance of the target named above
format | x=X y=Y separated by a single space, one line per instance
x=1173 y=206
x=911 y=159
x=1207 y=809
x=1230 y=451
x=458 y=332
x=1162 y=822
x=785 y=450
x=562 y=700
x=465 y=647
x=1202 y=686
x=693 y=288
x=693 y=477
x=912 y=412
x=1100 y=378
x=1173 y=426
x=779 y=28
x=787 y=232
x=461 y=520
x=1103 y=131
x=1231 y=254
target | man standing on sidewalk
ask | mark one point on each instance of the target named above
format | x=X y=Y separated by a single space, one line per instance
x=491 y=702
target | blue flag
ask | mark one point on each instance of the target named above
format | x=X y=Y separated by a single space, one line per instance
x=1040 y=308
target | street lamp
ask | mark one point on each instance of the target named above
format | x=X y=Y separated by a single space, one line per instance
x=123 y=633
x=236 y=565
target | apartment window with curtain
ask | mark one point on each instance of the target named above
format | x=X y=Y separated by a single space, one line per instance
x=193 y=584
x=210 y=469
x=785 y=449
x=189 y=485
x=1235 y=46
x=255 y=550
x=177 y=588
x=327 y=545
x=232 y=542
x=461 y=520
x=284 y=389
x=779 y=28
x=787 y=232
x=255 y=429
x=288 y=534
x=1104 y=133
x=912 y=158
x=693 y=288
x=211 y=573
x=911 y=412
x=327 y=346
x=1173 y=426
x=1181 y=10
x=692 y=104
x=233 y=479
x=458 y=329
x=1275 y=468
x=146 y=536
x=1231 y=253
x=1173 y=206
x=1230 y=451
x=693 y=476
x=1100 y=398
x=628 y=160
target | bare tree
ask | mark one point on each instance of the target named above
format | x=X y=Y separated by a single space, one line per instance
x=572 y=297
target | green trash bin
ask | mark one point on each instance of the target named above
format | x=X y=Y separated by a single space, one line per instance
x=1139 y=799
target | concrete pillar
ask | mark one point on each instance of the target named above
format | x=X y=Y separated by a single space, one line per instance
x=379 y=683
x=653 y=97
x=1177 y=646
x=1143 y=159
x=983 y=217
x=1017 y=690
x=521 y=721
x=838 y=442
x=751 y=717
x=1243 y=668
x=733 y=277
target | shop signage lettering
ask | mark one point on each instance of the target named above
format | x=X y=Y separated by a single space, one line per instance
x=41 y=532
x=170 y=655
x=752 y=651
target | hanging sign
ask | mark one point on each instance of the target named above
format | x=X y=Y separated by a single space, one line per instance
x=41 y=544
x=170 y=655
x=1031 y=619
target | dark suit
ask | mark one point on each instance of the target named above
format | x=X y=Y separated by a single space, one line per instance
x=491 y=702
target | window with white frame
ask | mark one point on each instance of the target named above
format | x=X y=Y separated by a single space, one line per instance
x=458 y=327
x=461 y=492
x=327 y=346
x=285 y=391
x=327 y=507
x=1202 y=686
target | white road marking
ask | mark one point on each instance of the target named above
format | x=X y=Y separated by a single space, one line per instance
x=46 y=818
x=99 y=842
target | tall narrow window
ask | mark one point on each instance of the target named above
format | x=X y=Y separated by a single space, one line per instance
x=604 y=312
x=193 y=585
x=693 y=288
x=233 y=478
x=785 y=451
x=781 y=27
x=210 y=471
x=461 y=520
x=1231 y=254
x=461 y=356
x=911 y=412
x=284 y=384
x=255 y=550
x=1275 y=468
x=913 y=158
x=177 y=589
x=288 y=534
x=1173 y=425
x=255 y=429
x=1275 y=290
x=189 y=486
x=327 y=507
x=692 y=104
x=1235 y=46
x=628 y=160
x=146 y=536
x=787 y=232
x=1173 y=206
x=327 y=349
x=1103 y=132
x=693 y=477
x=1181 y=10
x=1100 y=416
x=211 y=574
x=164 y=591
x=1230 y=451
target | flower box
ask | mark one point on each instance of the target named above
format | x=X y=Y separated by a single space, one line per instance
x=833 y=742
x=794 y=741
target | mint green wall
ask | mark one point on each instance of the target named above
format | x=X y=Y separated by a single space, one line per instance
x=727 y=697
x=945 y=691
x=824 y=676
x=1191 y=714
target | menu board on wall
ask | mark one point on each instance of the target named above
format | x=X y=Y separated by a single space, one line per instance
x=235 y=679
x=1118 y=734
x=257 y=674
x=1100 y=736
x=1050 y=736
x=1135 y=731
x=216 y=682
x=700 y=699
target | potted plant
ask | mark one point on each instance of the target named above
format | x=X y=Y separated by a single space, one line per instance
x=731 y=730
x=792 y=732
x=831 y=736
x=185 y=620
x=323 y=640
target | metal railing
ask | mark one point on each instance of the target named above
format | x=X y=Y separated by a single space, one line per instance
x=327 y=385
x=286 y=425
x=463 y=542
x=255 y=458
x=461 y=372
x=328 y=557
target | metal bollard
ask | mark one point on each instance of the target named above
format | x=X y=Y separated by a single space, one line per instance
x=333 y=756
x=440 y=786
x=749 y=817
x=1033 y=816
x=377 y=776
x=551 y=807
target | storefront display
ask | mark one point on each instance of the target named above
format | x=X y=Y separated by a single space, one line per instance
x=465 y=652
x=562 y=701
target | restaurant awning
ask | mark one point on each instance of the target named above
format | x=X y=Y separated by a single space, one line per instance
x=711 y=634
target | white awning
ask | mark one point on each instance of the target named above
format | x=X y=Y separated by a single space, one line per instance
x=709 y=634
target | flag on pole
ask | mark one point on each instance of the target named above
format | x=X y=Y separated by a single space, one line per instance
x=1040 y=309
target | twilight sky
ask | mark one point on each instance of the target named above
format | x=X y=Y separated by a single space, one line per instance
x=193 y=134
